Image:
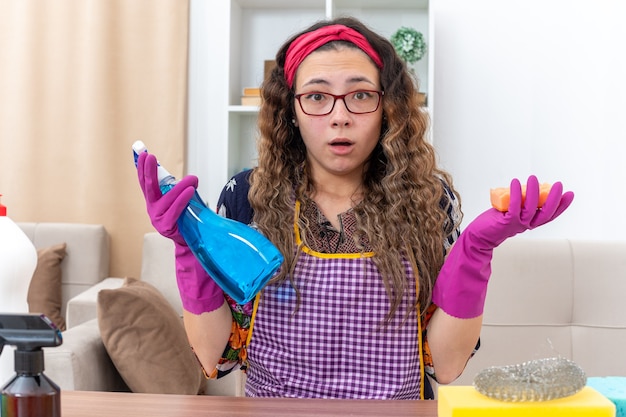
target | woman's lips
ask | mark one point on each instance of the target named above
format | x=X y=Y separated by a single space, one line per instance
x=341 y=146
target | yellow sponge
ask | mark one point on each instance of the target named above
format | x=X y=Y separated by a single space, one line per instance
x=466 y=401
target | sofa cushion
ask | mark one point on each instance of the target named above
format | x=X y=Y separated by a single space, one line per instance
x=146 y=340
x=44 y=292
x=81 y=362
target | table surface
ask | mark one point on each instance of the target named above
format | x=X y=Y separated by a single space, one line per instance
x=114 y=404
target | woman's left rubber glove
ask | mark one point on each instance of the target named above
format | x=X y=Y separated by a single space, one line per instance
x=198 y=292
x=461 y=286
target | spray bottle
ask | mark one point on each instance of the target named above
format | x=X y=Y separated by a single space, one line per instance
x=238 y=258
x=30 y=393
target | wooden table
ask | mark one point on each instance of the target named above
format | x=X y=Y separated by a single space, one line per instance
x=113 y=404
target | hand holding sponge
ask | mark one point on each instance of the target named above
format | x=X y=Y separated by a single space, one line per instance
x=461 y=286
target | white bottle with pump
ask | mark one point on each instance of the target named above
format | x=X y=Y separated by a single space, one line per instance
x=18 y=259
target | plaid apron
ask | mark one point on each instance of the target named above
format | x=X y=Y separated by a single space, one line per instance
x=335 y=344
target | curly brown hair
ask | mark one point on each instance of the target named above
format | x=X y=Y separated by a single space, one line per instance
x=403 y=211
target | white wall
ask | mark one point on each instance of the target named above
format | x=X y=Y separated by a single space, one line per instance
x=207 y=151
x=520 y=87
x=535 y=87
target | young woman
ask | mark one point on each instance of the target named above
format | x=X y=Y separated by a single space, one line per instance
x=348 y=189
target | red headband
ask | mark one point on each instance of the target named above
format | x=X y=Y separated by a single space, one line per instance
x=308 y=42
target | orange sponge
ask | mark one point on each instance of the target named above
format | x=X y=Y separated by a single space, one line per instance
x=501 y=196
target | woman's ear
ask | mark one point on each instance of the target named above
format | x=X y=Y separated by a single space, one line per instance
x=294 y=122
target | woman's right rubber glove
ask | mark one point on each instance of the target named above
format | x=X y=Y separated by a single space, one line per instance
x=461 y=286
x=198 y=292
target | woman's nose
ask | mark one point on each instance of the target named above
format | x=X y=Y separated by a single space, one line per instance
x=340 y=114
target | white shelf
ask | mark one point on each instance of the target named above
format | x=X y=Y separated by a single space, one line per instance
x=387 y=4
x=237 y=37
x=252 y=42
x=259 y=27
x=295 y=4
x=280 y=4
x=243 y=109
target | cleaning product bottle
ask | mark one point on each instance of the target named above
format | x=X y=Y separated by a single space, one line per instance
x=30 y=393
x=18 y=259
x=239 y=259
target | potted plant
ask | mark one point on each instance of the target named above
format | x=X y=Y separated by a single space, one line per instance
x=410 y=46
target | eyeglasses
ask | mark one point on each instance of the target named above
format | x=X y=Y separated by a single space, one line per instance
x=358 y=102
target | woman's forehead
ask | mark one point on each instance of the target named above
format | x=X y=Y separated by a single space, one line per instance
x=337 y=66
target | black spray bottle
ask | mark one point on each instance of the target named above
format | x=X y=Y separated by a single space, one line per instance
x=29 y=393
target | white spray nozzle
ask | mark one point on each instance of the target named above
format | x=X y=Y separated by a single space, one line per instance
x=139 y=147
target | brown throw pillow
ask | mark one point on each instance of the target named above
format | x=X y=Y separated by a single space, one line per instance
x=44 y=292
x=146 y=340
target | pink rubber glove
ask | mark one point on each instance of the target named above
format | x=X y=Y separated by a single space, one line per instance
x=461 y=285
x=164 y=209
x=198 y=292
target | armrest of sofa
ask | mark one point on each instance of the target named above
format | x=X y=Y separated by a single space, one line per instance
x=81 y=363
x=83 y=307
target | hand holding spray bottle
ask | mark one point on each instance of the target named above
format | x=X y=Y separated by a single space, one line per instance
x=238 y=258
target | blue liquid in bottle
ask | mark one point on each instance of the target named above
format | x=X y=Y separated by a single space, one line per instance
x=238 y=258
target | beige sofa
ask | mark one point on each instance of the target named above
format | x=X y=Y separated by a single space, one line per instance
x=82 y=362
x=86 y=263
x=546 y=297
x=550 y=297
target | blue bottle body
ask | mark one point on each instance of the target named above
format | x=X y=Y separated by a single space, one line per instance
x=238 y=258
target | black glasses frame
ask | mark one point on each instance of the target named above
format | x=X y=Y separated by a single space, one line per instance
x=342 y=97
